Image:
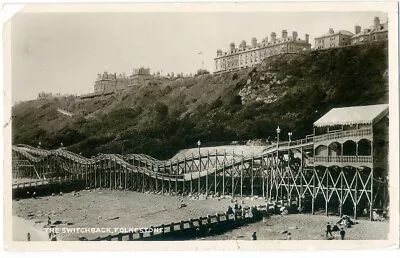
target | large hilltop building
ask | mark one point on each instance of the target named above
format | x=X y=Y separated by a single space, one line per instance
x=251 y=55
x=139 y=76
x=108 y=82
x=333 y=39
x=377 y=32
x=341 y=38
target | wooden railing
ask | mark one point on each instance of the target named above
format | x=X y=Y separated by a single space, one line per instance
x=191 y=227
x=343 y=159
x=343 y=134
x=53 y=180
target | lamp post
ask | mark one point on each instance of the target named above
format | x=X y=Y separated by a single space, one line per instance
x=198 y=144
x=278 y=130
x=290 y=136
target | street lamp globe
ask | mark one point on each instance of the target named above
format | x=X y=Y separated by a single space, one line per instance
x=198 y=143
x=278 y=130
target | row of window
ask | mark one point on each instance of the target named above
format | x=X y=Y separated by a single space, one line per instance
x=366 y=38
x=234 y=62
x=331 y=39
x=262 y=45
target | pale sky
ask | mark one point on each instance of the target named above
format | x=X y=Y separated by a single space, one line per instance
x=63 y=52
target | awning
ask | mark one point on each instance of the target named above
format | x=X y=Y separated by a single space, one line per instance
x=353 y=115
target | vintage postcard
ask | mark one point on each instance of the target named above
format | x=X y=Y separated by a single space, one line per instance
x=201 y=126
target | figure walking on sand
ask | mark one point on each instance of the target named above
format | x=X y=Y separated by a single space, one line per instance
x=328 y=230
x=342 y=233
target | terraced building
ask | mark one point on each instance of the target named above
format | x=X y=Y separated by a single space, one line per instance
x=251 y=55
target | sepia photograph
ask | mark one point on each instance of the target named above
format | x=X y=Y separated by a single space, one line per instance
x=194 y=125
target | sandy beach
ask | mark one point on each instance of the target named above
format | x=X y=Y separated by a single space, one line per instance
x=21 y=227
x=306 y=227
x=125 y=209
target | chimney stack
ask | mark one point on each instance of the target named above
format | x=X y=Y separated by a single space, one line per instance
x=284 y=34
x=243 y=44
x=273 y=37
x=377 y=22
x=253 y=42
x=357 y=29
x=331 y=31
x=294 y=35
x=307 y=38
x=232 y=46
x=219 y=52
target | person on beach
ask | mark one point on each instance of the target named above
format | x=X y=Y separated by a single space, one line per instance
x=28 y=236
x=254 y=236
x=48 y=221
x=328 y=230
x=342 y=233
x=289 y=236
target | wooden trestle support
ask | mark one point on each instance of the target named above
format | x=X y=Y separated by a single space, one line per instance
x=277 y=174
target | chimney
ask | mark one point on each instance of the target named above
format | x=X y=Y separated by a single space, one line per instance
x=307 y=38
x=357 y=29
x=243 y=44
x=253 y=42
x=219 y=52
x=273 y=36
x=232 y=46
x=331 y=31
x=377 y=22
x=284 y=34
x=266 y=40
x=294 y=35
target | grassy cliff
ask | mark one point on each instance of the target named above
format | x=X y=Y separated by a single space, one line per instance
x=158 y=119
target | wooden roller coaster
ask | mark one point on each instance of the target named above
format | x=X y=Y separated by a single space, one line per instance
x=297 y=171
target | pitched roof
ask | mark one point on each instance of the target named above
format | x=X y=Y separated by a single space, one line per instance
x=353 y=115
x=343 y=32
x=372 y=29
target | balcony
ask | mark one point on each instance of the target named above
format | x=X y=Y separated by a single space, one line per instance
x=348 y=160
x=343 y=134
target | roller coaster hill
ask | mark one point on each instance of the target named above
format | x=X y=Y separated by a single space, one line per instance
x=342 y=168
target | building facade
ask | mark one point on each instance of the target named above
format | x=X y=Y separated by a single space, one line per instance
x=377 y=32
x=139 y=76
x=333 y=39
x=250 y=55
x=108 y=82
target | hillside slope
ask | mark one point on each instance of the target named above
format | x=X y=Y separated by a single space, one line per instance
x=159 y=119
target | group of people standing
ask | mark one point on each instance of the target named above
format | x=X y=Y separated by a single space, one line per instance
x=329 y=230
